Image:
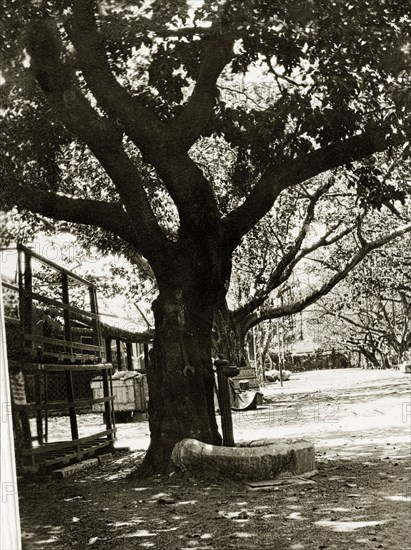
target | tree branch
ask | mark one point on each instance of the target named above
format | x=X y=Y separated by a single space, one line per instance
x=198 y=110
x=294 y=255
x=141 y=125
x=247 y=97
x=289 y=260
x=290 y=173
x=406 y=322
x=108 y=216
x=278 y=75
x=101 y=134
x=355 y=323
x=300 y=305
x=165 y=148
x=322 y=242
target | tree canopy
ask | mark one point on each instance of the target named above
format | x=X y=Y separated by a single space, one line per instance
x=336 y=81
x=110 y=110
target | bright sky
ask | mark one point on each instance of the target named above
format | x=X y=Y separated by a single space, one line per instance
x=62 y=246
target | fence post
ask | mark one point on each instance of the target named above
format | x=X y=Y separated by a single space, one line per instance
x=224 y=372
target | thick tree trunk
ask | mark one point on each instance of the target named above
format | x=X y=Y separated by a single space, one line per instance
x=180 y=375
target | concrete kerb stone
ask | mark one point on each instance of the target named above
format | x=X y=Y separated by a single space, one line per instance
x=303 y=457
x=257 y=460
x=302 y=452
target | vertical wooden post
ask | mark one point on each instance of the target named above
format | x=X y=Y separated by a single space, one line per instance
x=10 y=534
x=107 y=391
x=224 y=371
x=108 y=404
x=129 y=350
x=69 y=374
x=46 y=412
x=146 y=356
x=26 y=304
x=66 y=313
x=25 y=276
x=97 y=336
x=113 y=417
x=280 y=364
x=39 y=415
x=109 y=355
x=118 y=351
x=72 y=408
x=20 y=284
x=254 y=346
x=25 y=428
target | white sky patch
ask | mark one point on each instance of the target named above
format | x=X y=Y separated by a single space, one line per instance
x=238 y=47
x=64 y=250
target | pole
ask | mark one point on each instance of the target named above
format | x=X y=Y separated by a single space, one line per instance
x=280 y=366
x=224 y=372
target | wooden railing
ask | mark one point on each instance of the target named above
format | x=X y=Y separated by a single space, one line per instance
x=57 y=336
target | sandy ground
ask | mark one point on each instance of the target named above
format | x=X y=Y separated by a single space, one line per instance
x=360 y=422
x=329 y=407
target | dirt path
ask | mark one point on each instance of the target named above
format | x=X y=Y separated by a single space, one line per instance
x=361 y=498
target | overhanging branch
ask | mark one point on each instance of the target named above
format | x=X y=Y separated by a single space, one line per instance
x=101 y=134
x=108 y=216
x=258 y=300
x=290 y=173
x=299 y=305
x=295 y=253
x=290 y=257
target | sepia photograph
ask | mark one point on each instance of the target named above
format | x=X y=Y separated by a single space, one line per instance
x=205 y=274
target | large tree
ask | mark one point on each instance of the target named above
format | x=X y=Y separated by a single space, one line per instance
x=139 y=87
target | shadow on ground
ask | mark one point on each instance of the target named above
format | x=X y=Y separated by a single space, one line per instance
x=360 y=498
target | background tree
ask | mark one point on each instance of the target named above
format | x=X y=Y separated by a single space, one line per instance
x=309 y=242
x=135 y=85
x=370 y=312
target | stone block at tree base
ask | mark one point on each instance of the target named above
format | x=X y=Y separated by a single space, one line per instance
x=258 y=460
x=303 y=457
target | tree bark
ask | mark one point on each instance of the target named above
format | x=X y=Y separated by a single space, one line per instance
x=370 y=356
x=180 y=375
